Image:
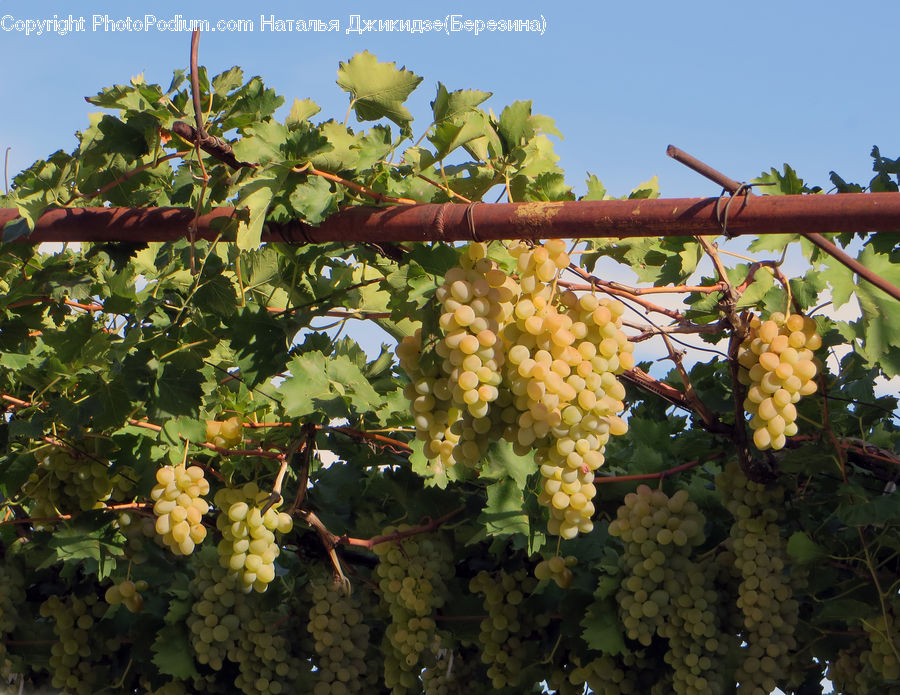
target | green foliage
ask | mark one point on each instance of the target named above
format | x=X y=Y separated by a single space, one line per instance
x=119 y=353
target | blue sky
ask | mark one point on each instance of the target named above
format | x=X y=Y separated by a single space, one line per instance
x=742 y=86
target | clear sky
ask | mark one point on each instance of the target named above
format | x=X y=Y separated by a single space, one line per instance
x=743 y=86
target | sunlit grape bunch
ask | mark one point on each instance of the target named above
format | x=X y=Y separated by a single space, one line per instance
x=179 y=507
x=778 y=365
x=519 y=359
x=558 y=569
x=225 y=434
x=248 y=546
x=127 y=592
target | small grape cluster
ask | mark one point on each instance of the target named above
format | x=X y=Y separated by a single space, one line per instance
x=179 y=507
x=336 y=623
x=69 y=480
x=508 y=630
x=852 y=672
x=778 y=365
x=452 y=672
x=411 y=575
x=12 y=595
x=632 y=672
x=558 y=569
x=884 y=636
x=765 y=592
x=138 y=531
x=266 y=663
x=74 y=671
x=212 y=624
x=248 y=546
x=225 y=434
x=127 y=592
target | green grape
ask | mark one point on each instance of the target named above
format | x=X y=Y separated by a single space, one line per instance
x=12 y=595
x=777 y=364
x=764 y=597
x=452 y=672
x=341 y=637
x=248 y=547
x=75 y=658
x=68 y=481
x=517 y=360
x=179 y=507
x=507 y=634
x=411 y=575
x=227 y=625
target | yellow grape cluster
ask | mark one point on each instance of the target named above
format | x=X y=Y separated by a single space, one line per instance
x=179 y=507
x=127 y=592
x=778 y=365
x=248 y=545
x=225 y=434
x=522 y=361
x=558 y=569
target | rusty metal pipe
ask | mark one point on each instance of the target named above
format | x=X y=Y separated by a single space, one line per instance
x=798 y=214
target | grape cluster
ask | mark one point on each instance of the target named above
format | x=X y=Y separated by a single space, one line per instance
x=127 y=592
x=341 y=637
x=452 y=672
x=138 y=530
x=68 y=481
x=654 y=528
x=508 y=630
x=558 y=569
x=851 y=672
x=12 y=595
x=632 y=672
x=225 y=434
x=411 y=575
x=179 y=507
x=434 y=416
x=664 y=591
x=884 y=636
x=225 y=625
x=265 y=661
x=248 y=545
x=765 y=591
x=519 y=360
x=74 y=671
x=212 y=623
x=778 y=365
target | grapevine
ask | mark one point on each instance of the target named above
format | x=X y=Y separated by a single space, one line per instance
x=517 y=382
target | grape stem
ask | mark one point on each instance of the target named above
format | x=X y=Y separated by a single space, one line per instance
x=308 y=444
x=710 y=421
x=66 y=517
x=370 y=543
x=658 y=475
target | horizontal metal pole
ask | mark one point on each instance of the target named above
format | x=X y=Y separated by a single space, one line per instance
x=799 y=214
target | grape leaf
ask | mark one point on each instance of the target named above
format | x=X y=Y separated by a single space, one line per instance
x=803 y=548
x=172 y=653
x=601 y=628
x=301 y=110
x=503 y=514
x=448 y=105
x=378 y=89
